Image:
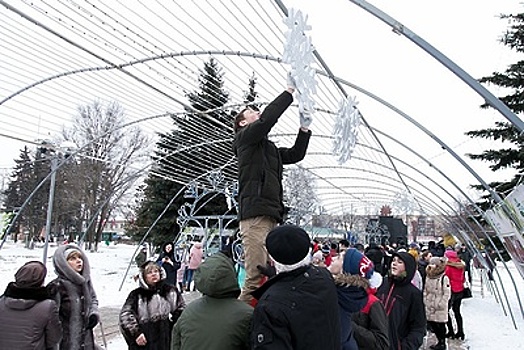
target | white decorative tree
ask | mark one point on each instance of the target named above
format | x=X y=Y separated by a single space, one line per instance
x=300 y=195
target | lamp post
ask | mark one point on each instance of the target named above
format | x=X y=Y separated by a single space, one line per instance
x=54 y=164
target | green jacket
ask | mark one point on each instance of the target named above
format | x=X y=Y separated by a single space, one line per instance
x=217 y=320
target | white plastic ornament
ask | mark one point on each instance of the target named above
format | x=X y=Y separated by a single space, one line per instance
x=345 y=130
x=298 y=52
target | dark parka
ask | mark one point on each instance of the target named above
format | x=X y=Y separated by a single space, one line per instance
x=260 y=162
x=297 y=310
x=217 y=320
x=76 y=301
x=29 y=319
x=404 y=307
x=352 y=297
x=151 y=310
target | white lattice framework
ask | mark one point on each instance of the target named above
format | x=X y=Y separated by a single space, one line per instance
x=147 y=56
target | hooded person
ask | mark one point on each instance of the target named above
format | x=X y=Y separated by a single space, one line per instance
x=168 y=261
x=28 y=313
x=76 y=297
x=352 y=271
x=150 y=311
x=298 y=307
x=403 y=304
x=224 y=319
x=437 y=292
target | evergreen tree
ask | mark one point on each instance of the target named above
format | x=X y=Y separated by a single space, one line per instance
x=511 y=156
x=186 y=154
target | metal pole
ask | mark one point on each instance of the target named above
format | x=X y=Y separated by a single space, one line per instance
x=54 y=163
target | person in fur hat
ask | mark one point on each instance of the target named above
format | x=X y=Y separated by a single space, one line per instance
x=403 y=303
x=298 y=307
x=28 y=313
x=76 y=298
x=437 y=292
x=151 y=310
x=363 y=320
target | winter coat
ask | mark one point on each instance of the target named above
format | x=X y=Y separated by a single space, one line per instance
x=29 y=319
x=352 y=297
x=225 y=320
x=404 y=306
x=297 y=310
x=455 y=272
x=151 y=310
x=196 y=254
x=437 y=292
x=171 y=266
x=76 y=299
x=370 y=325
x=260 y=163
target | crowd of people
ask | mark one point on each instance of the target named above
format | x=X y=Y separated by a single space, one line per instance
x=297 y=293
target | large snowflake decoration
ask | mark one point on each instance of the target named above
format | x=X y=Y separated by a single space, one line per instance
x=404 y=202
x=298 y=52
x=345 y=130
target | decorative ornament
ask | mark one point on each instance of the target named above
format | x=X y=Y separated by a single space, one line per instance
x=404 y=202
x=298 y=53
x=345 y=130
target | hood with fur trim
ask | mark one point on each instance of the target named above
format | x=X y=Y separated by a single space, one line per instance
x=63 y=269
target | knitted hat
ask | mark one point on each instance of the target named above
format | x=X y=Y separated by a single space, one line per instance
x=356 y=263
x=30 y=275
x=437 y=261
x=451 y=254
x=70 y=251
x=288 y=244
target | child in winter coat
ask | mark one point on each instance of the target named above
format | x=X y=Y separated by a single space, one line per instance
x=151 y=310
x=76 y=298
x=437 y=292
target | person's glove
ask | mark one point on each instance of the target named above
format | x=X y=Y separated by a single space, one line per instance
x=92 y=321
x=267 y=270
x=291 y=83
x=305 y=119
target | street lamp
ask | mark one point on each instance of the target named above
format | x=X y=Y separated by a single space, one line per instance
x=62 y=152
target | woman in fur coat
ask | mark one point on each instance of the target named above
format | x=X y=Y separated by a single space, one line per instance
x=151 y=310
x=76 y=298
x=437 y=292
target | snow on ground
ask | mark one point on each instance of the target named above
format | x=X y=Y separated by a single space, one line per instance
x=486 y=325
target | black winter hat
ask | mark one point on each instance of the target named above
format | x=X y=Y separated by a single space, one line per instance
x=31 y=275
x=288 y=244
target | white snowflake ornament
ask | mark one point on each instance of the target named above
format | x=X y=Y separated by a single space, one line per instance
x=345 y=130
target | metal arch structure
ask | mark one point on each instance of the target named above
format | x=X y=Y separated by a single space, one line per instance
x=129 y=63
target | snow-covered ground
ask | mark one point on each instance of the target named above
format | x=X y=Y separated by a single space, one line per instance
x=486 y=325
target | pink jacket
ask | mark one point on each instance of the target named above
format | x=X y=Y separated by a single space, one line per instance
x=455 y=271
x=196 y=254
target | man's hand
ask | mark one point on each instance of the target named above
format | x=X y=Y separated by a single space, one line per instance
x=291 y=83
x=92 y=321
x=305 y=119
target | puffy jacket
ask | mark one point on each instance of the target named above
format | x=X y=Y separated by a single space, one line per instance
x=437 y=292
x=29 y=319
x=260 y=163
x=217 y=320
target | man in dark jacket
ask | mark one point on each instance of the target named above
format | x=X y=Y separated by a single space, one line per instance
x=28 y=313
x=260 y=167
x=298 y=307
x=403 y=303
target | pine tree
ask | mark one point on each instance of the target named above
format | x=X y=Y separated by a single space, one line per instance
x=185 y=154
x=511 y=156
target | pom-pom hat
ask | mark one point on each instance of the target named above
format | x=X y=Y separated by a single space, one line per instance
x=356 y=263
x=288 y=244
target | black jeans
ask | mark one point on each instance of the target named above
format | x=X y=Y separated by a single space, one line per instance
x=454 y=304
